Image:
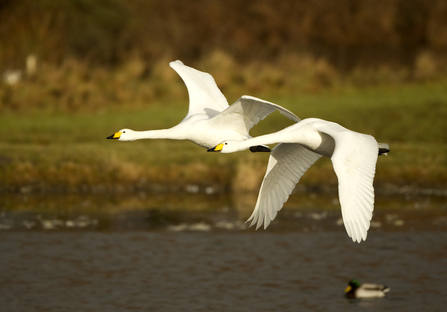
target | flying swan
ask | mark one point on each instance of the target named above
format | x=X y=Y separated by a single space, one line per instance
x=210 y=119
x=353 y=155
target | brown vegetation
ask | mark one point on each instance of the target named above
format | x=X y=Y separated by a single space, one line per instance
x=101 y=56
x=348 y=33
x=92 y=54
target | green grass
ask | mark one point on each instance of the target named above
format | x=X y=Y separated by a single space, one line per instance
x=408 y=113
x=68 y=151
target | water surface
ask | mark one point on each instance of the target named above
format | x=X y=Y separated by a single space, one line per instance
x=163 y=253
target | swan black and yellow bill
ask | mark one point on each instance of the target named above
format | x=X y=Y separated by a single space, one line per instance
x=216 y=148
x=116 y=135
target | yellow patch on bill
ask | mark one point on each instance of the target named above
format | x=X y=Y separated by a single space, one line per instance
x=219 y=147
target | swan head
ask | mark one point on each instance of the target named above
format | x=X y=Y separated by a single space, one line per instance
x=123 y=135
x=222 y=148
x=237 y=146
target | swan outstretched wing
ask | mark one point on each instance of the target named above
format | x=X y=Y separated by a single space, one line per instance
x=354 y=160
x=204 y=95
x=246 y=112
x=287 y=163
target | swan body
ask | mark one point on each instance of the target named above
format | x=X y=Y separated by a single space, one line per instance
x=354 y=156
x=210 y=119
x=365 y=290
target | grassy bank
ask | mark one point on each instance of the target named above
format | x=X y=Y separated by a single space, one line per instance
x=64 y=151
x=76 y=71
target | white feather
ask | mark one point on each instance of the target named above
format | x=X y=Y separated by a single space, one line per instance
x=354 y=156
x=287 y=163
x=209 y=120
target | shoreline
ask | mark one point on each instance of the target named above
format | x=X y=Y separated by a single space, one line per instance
x=208 y=189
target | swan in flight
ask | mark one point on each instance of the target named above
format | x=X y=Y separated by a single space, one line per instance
x=353 y=155
x=210 y=119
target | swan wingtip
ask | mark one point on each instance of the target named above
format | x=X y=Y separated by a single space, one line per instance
x=176 y=62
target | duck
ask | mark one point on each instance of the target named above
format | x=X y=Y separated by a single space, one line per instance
x=353 y=155
x=210 y=119
x=366 y=290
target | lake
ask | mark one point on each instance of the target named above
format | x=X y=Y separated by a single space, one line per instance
x=192 y=251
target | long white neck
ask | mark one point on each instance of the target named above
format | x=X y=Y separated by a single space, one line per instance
x=305 y=133
x=171 y=133
x=265 y=139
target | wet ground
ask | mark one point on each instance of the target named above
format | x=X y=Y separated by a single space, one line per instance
x=150 y=258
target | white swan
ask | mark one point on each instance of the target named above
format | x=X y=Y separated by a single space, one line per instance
x=353 y=155
x=210 y=119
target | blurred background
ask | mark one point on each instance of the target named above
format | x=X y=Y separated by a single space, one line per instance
x=74 y=72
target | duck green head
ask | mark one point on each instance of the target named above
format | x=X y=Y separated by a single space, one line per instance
x=352 y=285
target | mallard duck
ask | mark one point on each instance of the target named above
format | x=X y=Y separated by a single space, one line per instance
x=365 y=290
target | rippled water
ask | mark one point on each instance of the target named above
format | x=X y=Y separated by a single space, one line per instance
x=140 y=254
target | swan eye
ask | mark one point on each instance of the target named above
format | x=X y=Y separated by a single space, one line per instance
x=226 y=143
x=124 y=131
